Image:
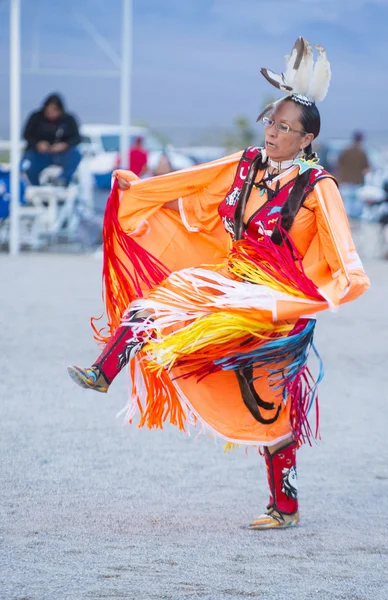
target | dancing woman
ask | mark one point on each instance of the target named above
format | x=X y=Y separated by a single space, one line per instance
x=213 y=277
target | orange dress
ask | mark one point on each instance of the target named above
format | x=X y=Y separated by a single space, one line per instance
x=203 y=292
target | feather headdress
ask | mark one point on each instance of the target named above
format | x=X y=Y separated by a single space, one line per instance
x=306 y=81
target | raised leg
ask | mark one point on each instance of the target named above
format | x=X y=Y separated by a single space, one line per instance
x=127 y=341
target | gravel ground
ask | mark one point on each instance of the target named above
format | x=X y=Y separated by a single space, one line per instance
x=93 y=509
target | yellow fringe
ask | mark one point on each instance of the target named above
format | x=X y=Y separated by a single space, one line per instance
x=229 y=446
x=249 y=272
x=207 y=332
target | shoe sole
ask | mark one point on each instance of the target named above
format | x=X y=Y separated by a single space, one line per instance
x=273 y=526
x=79 y=378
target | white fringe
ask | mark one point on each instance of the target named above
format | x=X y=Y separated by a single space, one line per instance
x=194 y=424
x=131 y=408
x=198 y=292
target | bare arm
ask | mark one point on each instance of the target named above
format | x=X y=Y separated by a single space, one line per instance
x=174 y=205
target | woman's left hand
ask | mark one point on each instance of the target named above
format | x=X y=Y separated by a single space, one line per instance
x=123 y=184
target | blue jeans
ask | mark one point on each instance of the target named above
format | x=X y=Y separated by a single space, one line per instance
x=37 y=161
x=353 y=205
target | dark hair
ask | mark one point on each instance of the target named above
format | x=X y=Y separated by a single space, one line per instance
x=358 y=136
x=54 y=99
x=311 y=122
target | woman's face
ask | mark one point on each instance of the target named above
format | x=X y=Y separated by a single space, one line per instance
x=52 y=112
x=285 y=146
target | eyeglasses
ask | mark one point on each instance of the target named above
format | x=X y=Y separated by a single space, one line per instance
x=282 y=127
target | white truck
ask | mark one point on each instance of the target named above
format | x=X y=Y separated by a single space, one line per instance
x=101 y=145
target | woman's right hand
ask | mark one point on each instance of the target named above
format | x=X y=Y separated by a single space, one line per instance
x=123 y=184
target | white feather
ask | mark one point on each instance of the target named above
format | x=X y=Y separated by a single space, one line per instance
x=321 y=76
x=303 y=74
x=276 y=79
x=289 y=73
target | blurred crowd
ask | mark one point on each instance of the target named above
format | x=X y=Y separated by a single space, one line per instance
x=52 y=136
x=350 y=168
x=54 y=155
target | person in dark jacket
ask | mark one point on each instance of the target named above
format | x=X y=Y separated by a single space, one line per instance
x=52 y=136
x=352 y=166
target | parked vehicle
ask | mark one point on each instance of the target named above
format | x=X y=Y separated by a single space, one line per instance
x=371 y=230
x=204 y=154
x=101 y=144
x=374 y=196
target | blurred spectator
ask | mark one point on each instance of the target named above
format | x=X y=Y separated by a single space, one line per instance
x=52 y=136
x=164 y=165
x=353 y=164
x=138 y=158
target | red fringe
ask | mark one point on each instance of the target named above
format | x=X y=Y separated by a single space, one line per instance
x=123 y=283
x=300 y=389
x=162 y=402
x=283 y=262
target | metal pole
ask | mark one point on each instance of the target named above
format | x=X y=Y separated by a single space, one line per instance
x=15 y=124
x=125 y=81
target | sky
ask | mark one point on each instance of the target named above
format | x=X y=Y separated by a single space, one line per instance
x=196 y=63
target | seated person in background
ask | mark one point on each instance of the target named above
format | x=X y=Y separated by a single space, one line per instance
x=52 y=136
